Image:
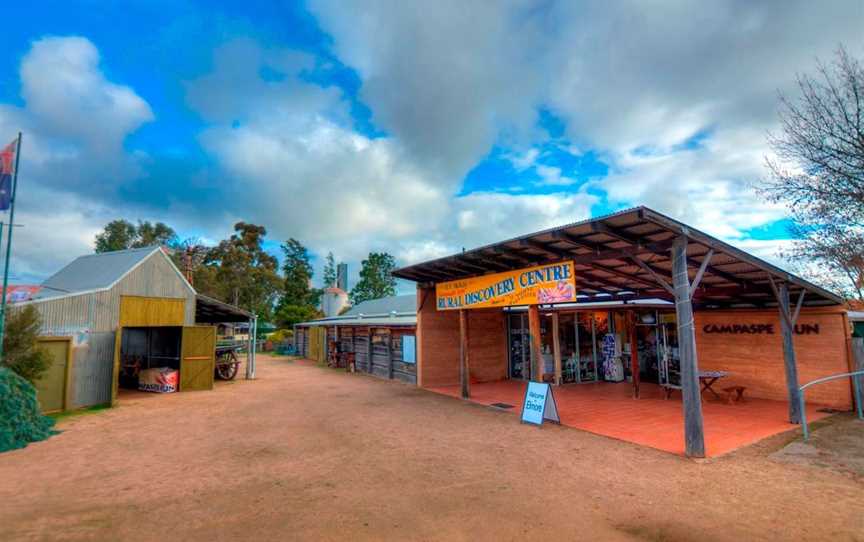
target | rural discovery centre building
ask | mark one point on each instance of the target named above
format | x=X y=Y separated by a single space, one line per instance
x=631 y=315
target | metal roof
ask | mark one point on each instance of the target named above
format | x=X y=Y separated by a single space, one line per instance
x=392 y=310
x=212 y=311
x=385 y=305
x=381 y=321
x=94 y=272
x=615 y=257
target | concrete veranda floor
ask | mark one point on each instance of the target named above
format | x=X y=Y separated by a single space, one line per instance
x=610 y=410
x=310 y=453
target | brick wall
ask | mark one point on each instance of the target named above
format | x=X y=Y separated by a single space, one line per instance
x=438 y=343
x=756 y=360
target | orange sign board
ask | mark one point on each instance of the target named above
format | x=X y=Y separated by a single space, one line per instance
x=551 y=283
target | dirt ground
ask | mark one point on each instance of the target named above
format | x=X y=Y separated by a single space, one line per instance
x=316 y=454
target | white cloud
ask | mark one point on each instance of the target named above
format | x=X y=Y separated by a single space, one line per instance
x=72 y=161
x=626 y=77
x=306 y=176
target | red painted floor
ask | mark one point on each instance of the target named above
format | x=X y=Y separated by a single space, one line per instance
x=609 y=409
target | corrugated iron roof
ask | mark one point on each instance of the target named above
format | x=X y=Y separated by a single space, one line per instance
x=621 y=255
x=381 y=321
x=392 y=310
x=385 y=305
x=93 y=272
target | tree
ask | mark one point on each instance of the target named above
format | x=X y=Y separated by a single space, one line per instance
x=121 y=234
x=376 y=279
x=117 y=235
x=299 y=300
x=239 y=271
x=288 y=315
x=818 y=172
x=329 y=271
x=21 y=351
x=152 y=234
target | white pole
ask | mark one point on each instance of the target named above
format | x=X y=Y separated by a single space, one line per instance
x=250 y=371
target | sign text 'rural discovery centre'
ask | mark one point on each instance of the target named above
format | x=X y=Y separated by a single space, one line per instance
x=553 y=283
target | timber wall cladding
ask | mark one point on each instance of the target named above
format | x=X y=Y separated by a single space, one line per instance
x=361 y=349
x=381 y=352
x=438 y=344
x=406 y=372
x=755 y=360
x=138 y=311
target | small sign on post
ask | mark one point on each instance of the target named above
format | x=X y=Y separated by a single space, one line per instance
x=539 y=404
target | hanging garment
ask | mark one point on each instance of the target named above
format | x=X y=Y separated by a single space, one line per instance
x=613 y=369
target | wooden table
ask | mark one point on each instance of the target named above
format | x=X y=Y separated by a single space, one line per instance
x=708 y=379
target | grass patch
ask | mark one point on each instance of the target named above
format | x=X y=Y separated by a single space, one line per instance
x=79 y=412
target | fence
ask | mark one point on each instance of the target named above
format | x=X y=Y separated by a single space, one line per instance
x=857 y=377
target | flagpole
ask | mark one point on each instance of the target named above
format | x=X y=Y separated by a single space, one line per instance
x=9 y=246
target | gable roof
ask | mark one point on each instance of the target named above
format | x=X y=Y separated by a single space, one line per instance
x=94 y=272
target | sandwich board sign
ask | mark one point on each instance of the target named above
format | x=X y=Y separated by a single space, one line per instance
x=539 y=404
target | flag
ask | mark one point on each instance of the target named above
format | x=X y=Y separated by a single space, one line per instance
x=7 y=170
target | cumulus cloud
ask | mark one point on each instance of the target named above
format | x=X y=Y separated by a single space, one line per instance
x=74 y=122
x=306 y=175
x=637 y=83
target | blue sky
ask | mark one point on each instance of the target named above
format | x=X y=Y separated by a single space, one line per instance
x=415 y=128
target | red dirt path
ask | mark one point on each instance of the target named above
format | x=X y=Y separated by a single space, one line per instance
x=307 y=453
x=610 y=410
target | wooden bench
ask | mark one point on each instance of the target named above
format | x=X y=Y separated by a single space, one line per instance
x=734 y=394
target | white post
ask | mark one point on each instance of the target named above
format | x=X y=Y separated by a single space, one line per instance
x=250 y=369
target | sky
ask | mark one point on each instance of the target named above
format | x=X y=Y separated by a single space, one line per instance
x=416 y=128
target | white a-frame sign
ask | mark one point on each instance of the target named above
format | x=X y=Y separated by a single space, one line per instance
x=539 y=404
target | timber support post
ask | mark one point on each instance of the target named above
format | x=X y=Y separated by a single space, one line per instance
x=369 y=350
x=464 y=373
x=788 y=319
x=556 y=348
x=536 y=344
x=634 y=356
x=694 y=430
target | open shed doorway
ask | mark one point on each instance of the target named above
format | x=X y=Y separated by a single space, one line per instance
x=187 y=350
x=143 y=348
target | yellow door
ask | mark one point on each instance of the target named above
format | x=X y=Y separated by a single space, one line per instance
x=322 y=345
x=51 y=387
x=198 y=358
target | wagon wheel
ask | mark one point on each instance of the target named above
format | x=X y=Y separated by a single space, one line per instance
x=227 y=367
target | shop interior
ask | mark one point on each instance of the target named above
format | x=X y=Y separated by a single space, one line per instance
x=147 y=348
x=596 y=346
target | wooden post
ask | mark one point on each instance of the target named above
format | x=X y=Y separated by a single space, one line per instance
x=694 y=431
x=390 y=354
x=536 y=344
x=634 y=355
x=787 y=327
x=464 y=373
x=369 y=350
x=556 y=348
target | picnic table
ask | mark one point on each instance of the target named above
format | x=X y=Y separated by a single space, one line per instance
x=708 y=379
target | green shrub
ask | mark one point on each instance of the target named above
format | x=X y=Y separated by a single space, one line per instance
x=21 y=352
x=281 y=335
x=21 y=418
